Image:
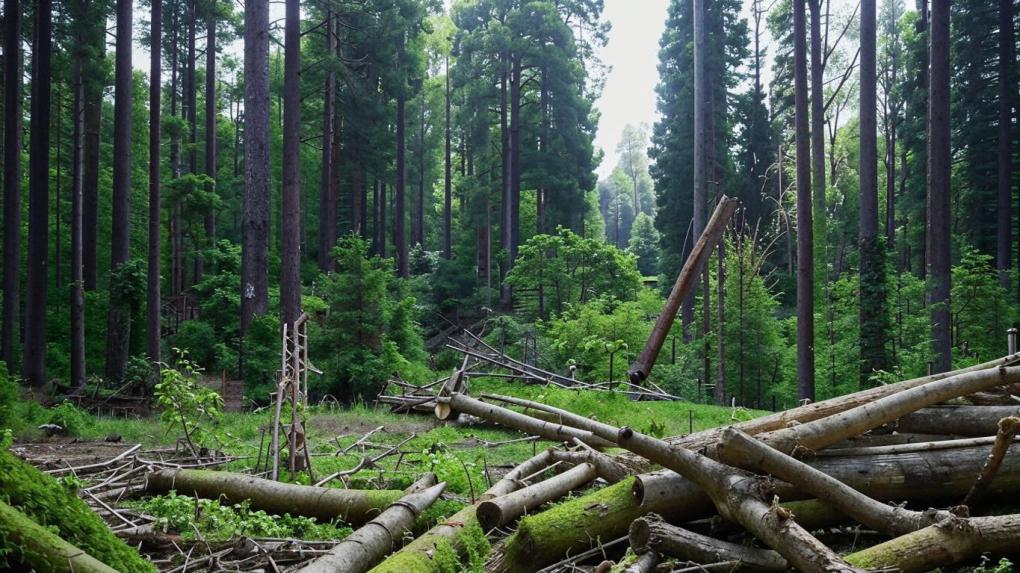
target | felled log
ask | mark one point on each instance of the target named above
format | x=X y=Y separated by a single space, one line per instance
x=956 y=420
x=605 y=514
x=369 y=544
x=827 y=431
x=739 y=449
x=325 y=504
x=645 y=563
x=652 y=533
x=606 y=467
x=501 y=510
x=952 y=541
x=41 y=550
x=527 y=424
x=460 y=532
x=740 y=498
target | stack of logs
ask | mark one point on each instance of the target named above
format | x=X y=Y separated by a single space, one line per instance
x=917 y=463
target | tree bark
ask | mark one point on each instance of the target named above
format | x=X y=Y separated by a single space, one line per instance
x=34 y=352
x=515 y=158
x=505 y=215
x=153 y=322
x=805 y=234
x=652 y=533
x=939 y=161
x=366 y=546
x=12 y=185
x=700 y=129
x=41 y=549
x=210 y=117
x=255 y=234
x=90 y=185
x=325 y=504
x=399 y=200
x=290 y=255
x=955 y=420
x=502 y=510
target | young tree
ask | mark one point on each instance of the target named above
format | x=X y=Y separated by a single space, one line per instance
x=939 y=162
x=153 y=323
x=34 y=358
x=805 y=261
x=255 y=234
x=118 y=334
x=290 y=252
x=9 y=330
x=872 y=306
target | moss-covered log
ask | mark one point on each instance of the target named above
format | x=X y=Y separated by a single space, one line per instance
x=323 y=503
x=952 y=541
x=54 y=506
x=34 y=547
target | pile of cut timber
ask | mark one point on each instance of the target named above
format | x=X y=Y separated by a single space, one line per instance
x=916 y=467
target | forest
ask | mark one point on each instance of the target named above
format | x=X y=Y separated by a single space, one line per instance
x=257 y=254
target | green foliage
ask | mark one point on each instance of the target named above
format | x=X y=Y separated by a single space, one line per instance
x=57 y=507
x=369 y=328
x=72 y=419
x=217 y=522
x=187 y=405
x=644 y=244
x=10 y=395
x=1002 y=566
x=982 y=309
x=572 y=269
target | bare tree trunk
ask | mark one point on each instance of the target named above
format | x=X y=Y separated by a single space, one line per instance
x=290 y=267
x=652 y=533
x=210 y=116
x=700 y=127
x=255 y=235
x=419 y=200
x=448 y=177
x=12 y=184
x=77 y=305
x=515 y=158
x=34 y=352
x=939 y=160
x=1004 y=258
x=506 y=217
x=191 y=116
x=327 y=190
x=153 y=294
x=399 y=193
x=90 y=185
x=873 y=324
x=504 y=509
x=805 y=238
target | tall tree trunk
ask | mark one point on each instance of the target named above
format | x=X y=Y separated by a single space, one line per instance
x=58 y=233
x=290 y=252
x=153 y=291
x=34 y=356
x=447 y=177
x=543 y=148
x=1004 y=257
x=805 y=238
x=78 y=380
x=399 y=199
x=327 y=190
x=90 y=169
x=818 y=184
x=515 y=158
x=873 y=323
x=379 y=218
x=191 y=114
x=700 y=135
x=255 y=235
x=173 y=214
x=118 y=334
x=720 y=376
x=419 y=200
x=939 y=159
x=506 y=217
x=210 y=116
x=12 y=183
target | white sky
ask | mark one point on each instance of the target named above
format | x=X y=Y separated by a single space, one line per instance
x=632 y=54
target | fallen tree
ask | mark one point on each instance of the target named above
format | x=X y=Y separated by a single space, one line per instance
x=37 y=548
x=652 y=534
x=347 y=505
x=369 y=544
x=956 y=420
x=501 y=510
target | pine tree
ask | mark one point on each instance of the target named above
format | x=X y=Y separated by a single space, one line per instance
x=12 y=184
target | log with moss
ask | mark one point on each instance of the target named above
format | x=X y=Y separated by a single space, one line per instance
x=55 y=506
x=325 y=504
x=35 y=548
